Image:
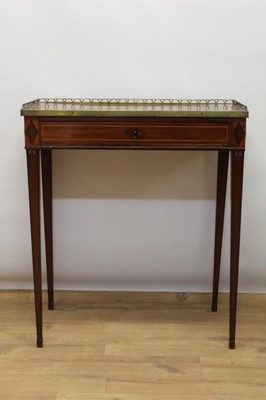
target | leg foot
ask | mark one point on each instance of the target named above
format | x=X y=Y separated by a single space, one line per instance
x=232 y=345
x=39 y=342
x=214 y=307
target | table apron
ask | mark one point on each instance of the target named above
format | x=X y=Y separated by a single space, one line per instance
x=136 y=134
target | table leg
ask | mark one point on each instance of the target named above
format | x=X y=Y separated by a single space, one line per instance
x=33 y=165
x=237 y=166
x=46 y=155
x=223 y=156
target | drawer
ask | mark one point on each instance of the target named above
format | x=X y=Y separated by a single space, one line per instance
x=102 y=134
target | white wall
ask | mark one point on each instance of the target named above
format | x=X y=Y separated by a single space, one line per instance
x=132 y=220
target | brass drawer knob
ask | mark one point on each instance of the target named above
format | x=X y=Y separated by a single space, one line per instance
x=134 y=133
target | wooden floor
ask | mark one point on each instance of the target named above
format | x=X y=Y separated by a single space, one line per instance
x=132 y=346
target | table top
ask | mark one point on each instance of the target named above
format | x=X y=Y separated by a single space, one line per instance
x=135 y=108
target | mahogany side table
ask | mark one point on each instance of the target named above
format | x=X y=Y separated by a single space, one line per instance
x=213 y=125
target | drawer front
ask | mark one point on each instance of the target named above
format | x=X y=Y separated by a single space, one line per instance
x=88 y=134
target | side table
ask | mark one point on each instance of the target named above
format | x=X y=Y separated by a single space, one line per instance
x=135 y=124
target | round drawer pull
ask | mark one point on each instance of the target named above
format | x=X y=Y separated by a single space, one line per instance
x=134 y=133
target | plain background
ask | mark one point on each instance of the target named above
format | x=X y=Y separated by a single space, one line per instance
x=132 y=220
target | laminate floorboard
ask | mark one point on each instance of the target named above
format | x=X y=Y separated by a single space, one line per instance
x=132 y=346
